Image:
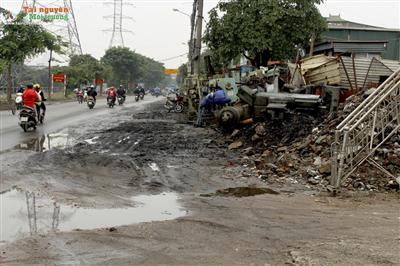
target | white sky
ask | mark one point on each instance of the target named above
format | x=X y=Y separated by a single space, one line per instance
x=161 y=33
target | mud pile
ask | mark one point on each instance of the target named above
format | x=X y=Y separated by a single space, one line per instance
x=152 y=152
x=297 y=150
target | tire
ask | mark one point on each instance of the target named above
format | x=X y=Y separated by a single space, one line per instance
x=179 y=108
x=25 y=127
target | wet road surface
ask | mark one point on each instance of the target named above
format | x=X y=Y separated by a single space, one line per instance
x=58 y=116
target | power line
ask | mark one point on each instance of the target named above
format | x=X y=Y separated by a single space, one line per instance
x=172 y=58
x=117 y=36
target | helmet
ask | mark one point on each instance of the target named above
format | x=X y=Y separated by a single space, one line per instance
x=121 y=86
x=37 y=85
x=30 y=85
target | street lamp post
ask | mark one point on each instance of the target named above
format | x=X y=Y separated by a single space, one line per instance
x=190 y=43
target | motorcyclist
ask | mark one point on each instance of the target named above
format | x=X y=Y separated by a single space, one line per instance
x=21 y=89
x=121 y=92
x=30 y=96
x=79 y=94
x=40 y=105
x=157 y=91
x=91 y=91
x=111 y=93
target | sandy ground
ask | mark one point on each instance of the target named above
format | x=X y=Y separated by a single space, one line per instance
x=107 y=162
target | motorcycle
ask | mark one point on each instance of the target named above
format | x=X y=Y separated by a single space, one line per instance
x=121 y=100
x=79 y=97
x=110 y=102
x=174 y=103
x=18 y=101
x=141 y=95
x=27 y=118
x=90 y=102
x=137 y=97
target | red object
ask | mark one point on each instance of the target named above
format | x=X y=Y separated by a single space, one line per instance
x=58 y=78
x=344 y=94
x=99 y=81
x=112 y=93
x=30 y=97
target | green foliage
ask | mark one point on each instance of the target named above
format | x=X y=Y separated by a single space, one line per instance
x=128 y=66
x=21 y=39
x=84 y=69
x=264 y=29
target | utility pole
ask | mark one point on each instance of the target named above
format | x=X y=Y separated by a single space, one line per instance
x=191 y=44
x=197 y=42
x=117 y=38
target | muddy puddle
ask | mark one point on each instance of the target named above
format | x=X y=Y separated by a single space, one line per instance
x=240 y=192
x=47 y=142
x=25 y=213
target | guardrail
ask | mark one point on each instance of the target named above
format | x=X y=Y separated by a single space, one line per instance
x=364 y=130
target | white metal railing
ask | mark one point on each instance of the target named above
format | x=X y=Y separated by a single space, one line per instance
x=364 y=130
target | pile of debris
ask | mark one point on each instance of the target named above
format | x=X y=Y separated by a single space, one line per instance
x=297 y=150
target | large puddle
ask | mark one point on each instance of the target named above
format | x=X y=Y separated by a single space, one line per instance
x=47 y=142
x=24 y=213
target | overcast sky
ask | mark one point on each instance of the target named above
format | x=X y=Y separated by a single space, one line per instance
x=160 y=33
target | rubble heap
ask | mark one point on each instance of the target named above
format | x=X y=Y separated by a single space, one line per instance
x=297 y=150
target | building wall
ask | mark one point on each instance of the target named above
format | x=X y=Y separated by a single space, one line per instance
x=393 y=38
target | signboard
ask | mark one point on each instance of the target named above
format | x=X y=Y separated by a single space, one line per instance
x=58 y=78
x=171 y=72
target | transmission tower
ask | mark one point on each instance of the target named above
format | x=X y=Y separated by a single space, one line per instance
x=117 y=31
x=68 y=30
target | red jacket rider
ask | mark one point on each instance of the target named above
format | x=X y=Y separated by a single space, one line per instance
x=30 y=96
x=112 y=92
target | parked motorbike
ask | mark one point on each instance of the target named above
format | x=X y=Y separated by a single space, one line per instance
x=174 y=103
x=90 y=102
x=121 y=100
x=111 y=102
x=18 y=101
x=27 y=118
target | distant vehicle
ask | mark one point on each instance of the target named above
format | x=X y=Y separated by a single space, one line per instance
x=90 y=102
x=111 y=102
x=121 y=100
x=18 y=101
x=27 y=118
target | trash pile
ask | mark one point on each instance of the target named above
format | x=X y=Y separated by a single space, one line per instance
x=296 y=150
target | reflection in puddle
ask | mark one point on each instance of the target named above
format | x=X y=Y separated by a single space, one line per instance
x=47 y=142
x=24 y=214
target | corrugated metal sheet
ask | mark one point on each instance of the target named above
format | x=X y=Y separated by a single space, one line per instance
x=321 y=69
x=366 y=72
x=361 y=67
x=359 y=47
x=392 y=64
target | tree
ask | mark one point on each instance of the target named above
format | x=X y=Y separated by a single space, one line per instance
x=261 y=30
x=20 y=39
x=83 y=69
x=129 y=66
x=124 y=63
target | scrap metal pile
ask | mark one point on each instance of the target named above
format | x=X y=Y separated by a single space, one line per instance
x=285 y=125
x=298 y=150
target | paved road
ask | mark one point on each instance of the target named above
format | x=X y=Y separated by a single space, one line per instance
x=58 y=116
